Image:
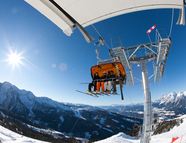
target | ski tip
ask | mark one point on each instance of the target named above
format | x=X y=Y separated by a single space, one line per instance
x=75 y=89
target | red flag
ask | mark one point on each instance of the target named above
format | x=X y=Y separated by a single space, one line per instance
x=151 y=29
x=174 y=139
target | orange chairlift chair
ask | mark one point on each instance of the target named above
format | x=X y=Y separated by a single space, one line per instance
x=118 y=70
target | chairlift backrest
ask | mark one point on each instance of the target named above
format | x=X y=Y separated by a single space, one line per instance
x=108 y=67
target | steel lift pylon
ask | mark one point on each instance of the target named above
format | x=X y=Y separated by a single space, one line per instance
x=154 y=52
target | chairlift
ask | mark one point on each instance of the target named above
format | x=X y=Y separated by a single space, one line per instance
x=115 y=66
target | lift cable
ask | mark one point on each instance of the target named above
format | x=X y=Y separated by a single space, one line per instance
x=100 y=35
x=171 y=22
x=131 y=103
x=158 y=89
x=157 y=94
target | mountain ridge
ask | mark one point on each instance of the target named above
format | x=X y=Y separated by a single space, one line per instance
x=72 y=119
x=173 y=103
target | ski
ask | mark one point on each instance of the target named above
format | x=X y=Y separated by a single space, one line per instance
x=105 y=93
x=114 y=94
x=111 y=94
x=95 y=94
x=108 y=94
x=92 y=94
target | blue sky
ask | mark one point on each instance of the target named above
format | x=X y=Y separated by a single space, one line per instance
x=45 y=47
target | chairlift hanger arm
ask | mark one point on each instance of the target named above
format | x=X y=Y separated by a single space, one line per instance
x=101 y=41
x=97 y=50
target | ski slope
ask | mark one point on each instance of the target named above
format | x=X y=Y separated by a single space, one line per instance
x=177 y=131
x=7 y=136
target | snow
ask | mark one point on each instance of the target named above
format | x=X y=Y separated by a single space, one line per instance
x=120 y=138
x=162 y=112
x=177 y=131
x=7 y=136
x=140 y=112
x=2 y=114
x=82 y=140
x=115 y=120
x=122 y=126
x=87 y=135
x=100 y=126
x=102 y=120
x=130 y=120
x=59 y=125
x=82 y=106
x=111 y=113
x=61 y=118
x=95 y=132
x=107 y=129
x=78 y=114
x=45 y=131
x=171 y=97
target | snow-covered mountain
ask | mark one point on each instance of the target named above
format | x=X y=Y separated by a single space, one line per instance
x=172 y=100
x=170 y=104
x=71 y=119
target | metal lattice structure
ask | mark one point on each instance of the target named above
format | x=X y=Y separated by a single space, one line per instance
x=154 y=52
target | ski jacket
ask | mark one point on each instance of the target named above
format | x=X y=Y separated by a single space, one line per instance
x=104 y=78
x=112 y=76
x=96 y=77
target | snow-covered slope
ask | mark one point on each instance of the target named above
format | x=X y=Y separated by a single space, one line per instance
x=120 y=138
x=177 y=132
x=7 y=136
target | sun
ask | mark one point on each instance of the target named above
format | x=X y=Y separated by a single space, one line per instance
x=14 y=59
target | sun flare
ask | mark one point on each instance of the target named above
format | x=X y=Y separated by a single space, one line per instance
x=14 y=59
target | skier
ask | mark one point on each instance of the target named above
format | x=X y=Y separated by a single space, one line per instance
x=123 y=77
x=112 y=82
x=93 y=83
x=103 y=83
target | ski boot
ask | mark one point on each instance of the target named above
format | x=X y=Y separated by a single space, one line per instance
x=88 y=92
